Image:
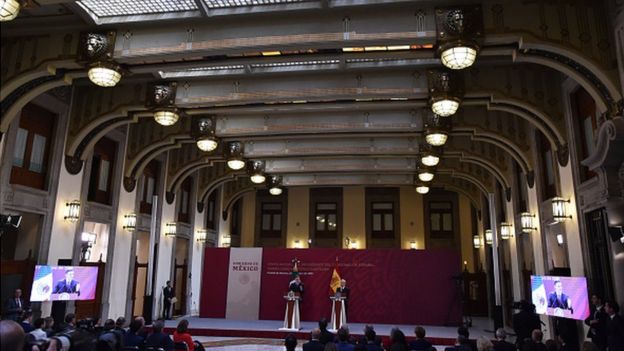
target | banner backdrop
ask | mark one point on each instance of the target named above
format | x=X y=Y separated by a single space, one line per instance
x=243 y=297
x=387 y=286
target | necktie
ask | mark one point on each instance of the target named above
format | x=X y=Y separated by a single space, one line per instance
x=19 y=303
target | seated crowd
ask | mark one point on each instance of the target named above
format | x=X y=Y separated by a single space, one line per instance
x=90 y=335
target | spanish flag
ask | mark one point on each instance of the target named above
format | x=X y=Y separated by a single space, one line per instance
x=334 y=283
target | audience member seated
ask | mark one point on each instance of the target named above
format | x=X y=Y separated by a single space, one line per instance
x=462 y=343
x=11 y=335
x=535 y=344
x=343 y=340
x=290 y=342
x=69 y=322
x=397 y=340
x=330 y=346
x=159 y=339
x=26 y=322
x=133 y=337
x=372 y=342
x=483 y=344
x=420 y=344
x=500 y=344
x=326 y=335
x=38 y=333
x=48 y=327
x=181 y=334
x=109 y=339
x=314 y=344
x=120 y=325
x=551 y=345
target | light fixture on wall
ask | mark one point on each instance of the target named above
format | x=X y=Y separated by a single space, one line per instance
x=425 y=174
x=203 y=131
x=105 y=74
x=202 y=235
x=505 y=230
x=422 y=189
x=476 y=241
x=429 y=157
x=9 y=10
x=526 y=220
x=95 y=50
x=560 y=209
x=457 y=31
x=161 y=100
x=488 y=237
x=72 y=211
x=560 y=239
x=234 y=155
x=445 y=92
x=171 y=229
x=256 y=171
x=274 y=184
x=129 y=223
x=412 y=245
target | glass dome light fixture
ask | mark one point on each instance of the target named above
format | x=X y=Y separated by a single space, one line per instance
x=166 y=117
x=234 y=155
x=274 y=185
x=256 y=171
x=429 y=158
x=207 y=143
x=445 y=106
x=422 y=189
x=425 y=175
x=436 y=138
x=445 y=91
x=104 y=74
x=459 y=55
x=9 y=10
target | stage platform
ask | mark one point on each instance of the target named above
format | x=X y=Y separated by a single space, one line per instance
x=266 y=329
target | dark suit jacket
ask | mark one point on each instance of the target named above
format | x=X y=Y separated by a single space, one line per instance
x=533 y=346
x=168 y=294
x=13 y=311
x=554 y=302
x=597 y=332
x=63 y=287
x=294 y=287
x=132 y=339
x=159 y=340
x=313 y=345
x=420 y=345
x=504 y=346
x=326 y=336
x=615 y=333
x=344 y=292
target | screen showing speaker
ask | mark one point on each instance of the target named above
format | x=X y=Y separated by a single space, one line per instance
x=560 y=296
x=64 y=283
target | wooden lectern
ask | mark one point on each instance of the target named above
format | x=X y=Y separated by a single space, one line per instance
x=292 y=320
x=339 y=312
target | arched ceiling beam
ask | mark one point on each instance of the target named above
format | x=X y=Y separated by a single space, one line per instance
x=480 y=161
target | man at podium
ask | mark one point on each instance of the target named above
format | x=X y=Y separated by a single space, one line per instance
x=344 y=291
x=296 y=286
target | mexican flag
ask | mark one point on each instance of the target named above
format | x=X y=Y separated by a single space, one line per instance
x=334 y=283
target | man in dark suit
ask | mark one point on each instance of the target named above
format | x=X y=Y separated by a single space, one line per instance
x=535 y=344
x=615 y=327
x=597 y=322
x=344 y=291
x=326 y=335
x=500 y=344
x=557 y=299
x=14 y=306
x=167 y=296
x=67 y=285
x=159 y=339
x=420 y=343
x=296 y=286
x=314 y=344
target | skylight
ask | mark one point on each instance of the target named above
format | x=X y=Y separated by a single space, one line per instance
x=112 y=8
x=220 y=4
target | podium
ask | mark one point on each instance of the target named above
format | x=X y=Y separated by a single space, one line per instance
x=292 y=321
x=339 y=312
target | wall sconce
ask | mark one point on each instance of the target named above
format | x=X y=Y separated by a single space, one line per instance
x=560 y=209
x=560 y=239
x=72 y=213
x=297 y=244
x=226 y=241
x=412 y=245
x=130 y=222
x=488 y=236
x=202 y=235
x=476 y=241
x=526 y=220
x=505 y=231
x=171 y=229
